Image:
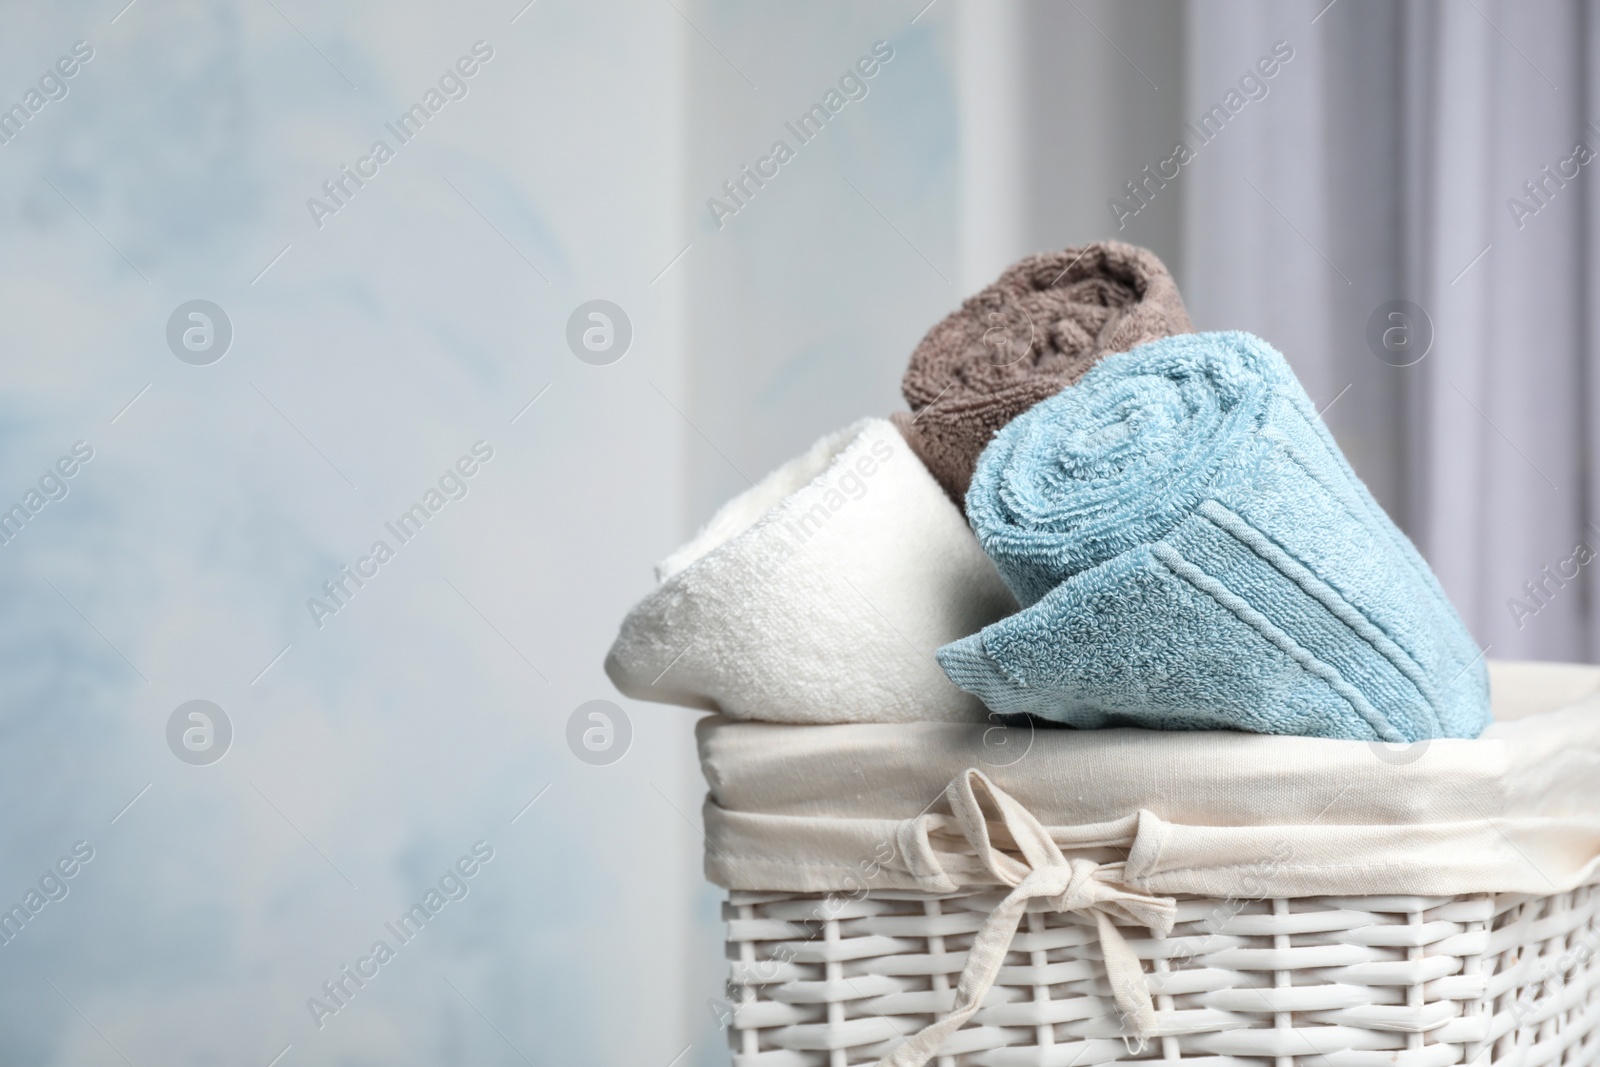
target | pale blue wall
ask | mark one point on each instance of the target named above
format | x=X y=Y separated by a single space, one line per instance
x=407 y=728
x=805 y=305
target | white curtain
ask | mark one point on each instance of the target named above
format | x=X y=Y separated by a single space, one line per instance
x=1387 y=163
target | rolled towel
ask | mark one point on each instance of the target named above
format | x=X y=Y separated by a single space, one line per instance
x=818 y=596
x=1195 y=553
x=1036 y=330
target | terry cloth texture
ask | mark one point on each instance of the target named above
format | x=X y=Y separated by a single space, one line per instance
x=823 y=809
x=1193 y=553
x=1037 y=329
x=818 y=596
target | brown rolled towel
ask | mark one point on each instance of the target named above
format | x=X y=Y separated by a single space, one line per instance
x=1035 y=331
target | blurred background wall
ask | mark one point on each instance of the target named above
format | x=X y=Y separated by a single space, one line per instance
x=372 y=748
x=373 y=345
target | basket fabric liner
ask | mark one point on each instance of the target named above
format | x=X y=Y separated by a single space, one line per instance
x=1112 y=824
x=841 y=808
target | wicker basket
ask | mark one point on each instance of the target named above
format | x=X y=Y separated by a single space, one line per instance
x=1486 y=980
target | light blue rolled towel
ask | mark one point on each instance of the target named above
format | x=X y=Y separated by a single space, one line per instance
x=1193 y=552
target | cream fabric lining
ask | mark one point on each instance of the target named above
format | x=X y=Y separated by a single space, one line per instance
x=840 y=808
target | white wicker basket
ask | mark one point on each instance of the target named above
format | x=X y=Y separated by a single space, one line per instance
x=1490 y=980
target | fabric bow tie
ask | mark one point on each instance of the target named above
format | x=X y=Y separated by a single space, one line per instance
x=1043 y=872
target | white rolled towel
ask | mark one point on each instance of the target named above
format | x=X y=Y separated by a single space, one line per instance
x=818 y=596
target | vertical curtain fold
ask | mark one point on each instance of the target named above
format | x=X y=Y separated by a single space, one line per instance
x=1425 y=152
x=1499 y=260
